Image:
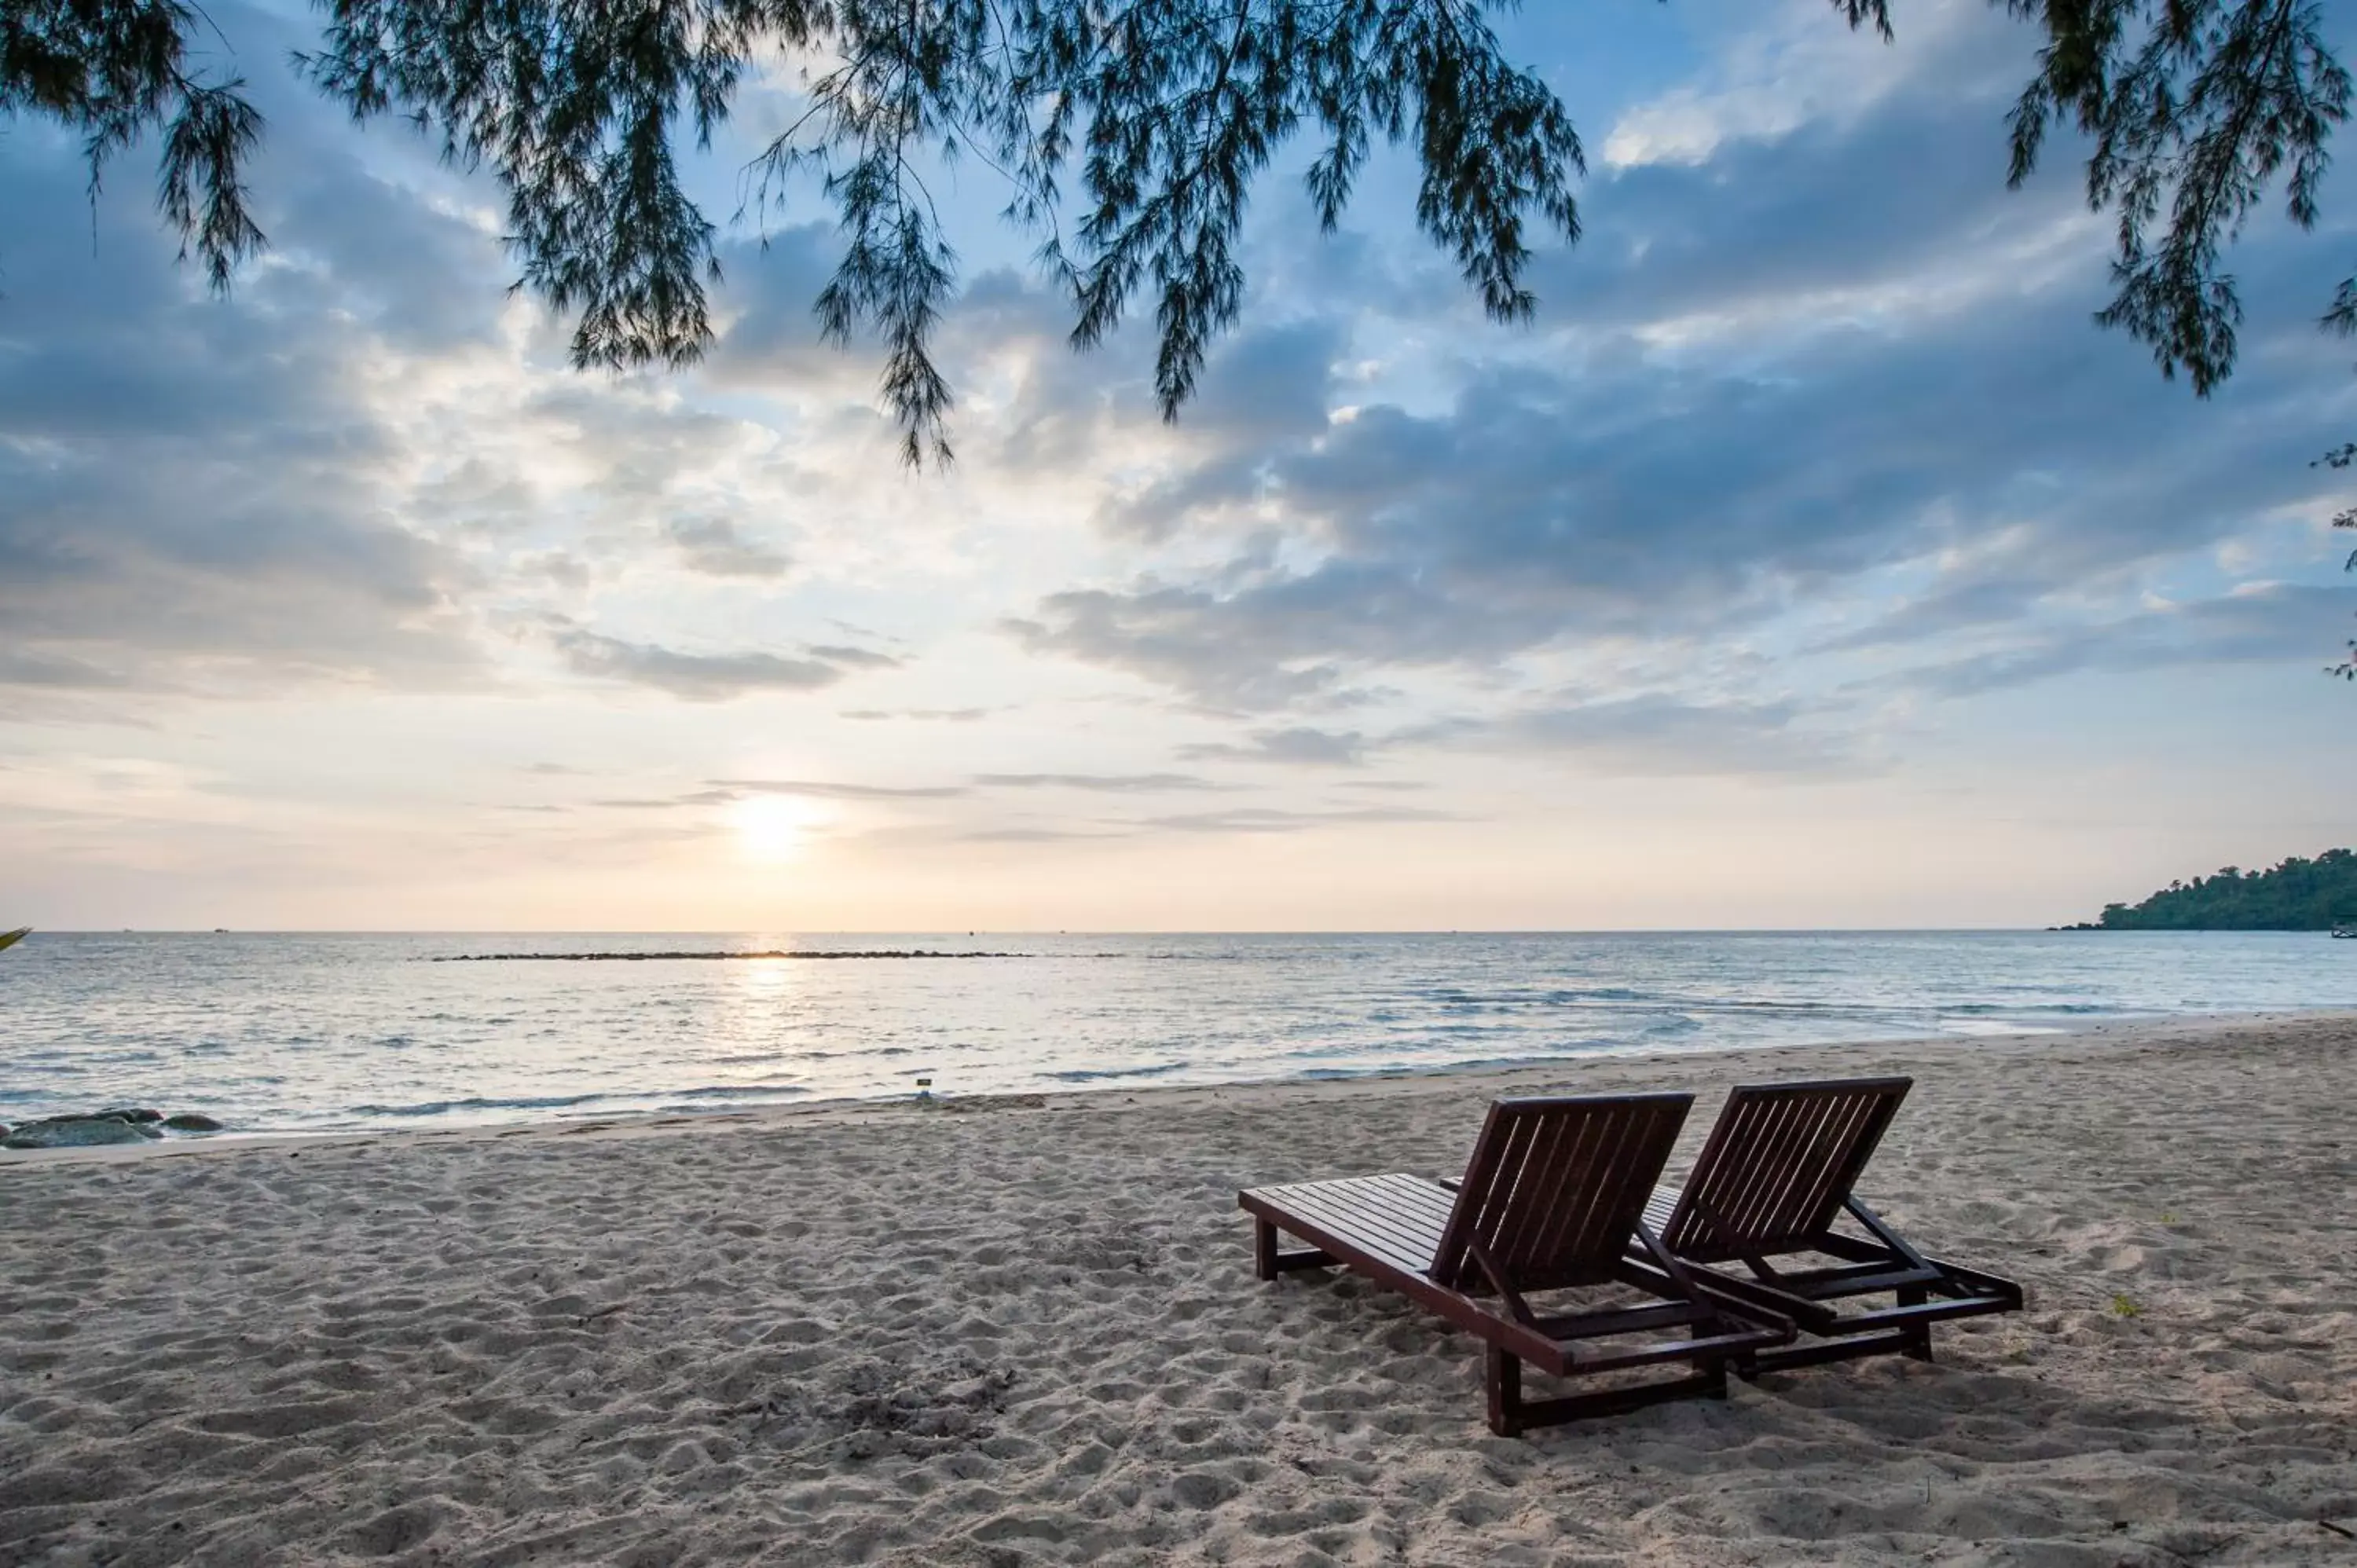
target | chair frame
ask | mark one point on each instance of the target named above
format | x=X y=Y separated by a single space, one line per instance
x=1724 y=1330
x=1925 y=1290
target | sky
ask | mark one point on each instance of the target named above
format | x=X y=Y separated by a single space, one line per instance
x=1810 y=561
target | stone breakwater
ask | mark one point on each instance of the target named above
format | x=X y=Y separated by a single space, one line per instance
x=714 y=953
x=95 y=1128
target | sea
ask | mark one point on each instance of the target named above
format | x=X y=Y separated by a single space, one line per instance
x=321 y=1032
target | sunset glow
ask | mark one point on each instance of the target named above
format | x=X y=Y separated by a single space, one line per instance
x=771 y=829
x=1810 y=559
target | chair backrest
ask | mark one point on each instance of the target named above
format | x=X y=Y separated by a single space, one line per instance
x=1556 y=1187
x=1778 y=1166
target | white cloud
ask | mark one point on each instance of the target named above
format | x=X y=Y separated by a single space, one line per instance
x=1788 y=64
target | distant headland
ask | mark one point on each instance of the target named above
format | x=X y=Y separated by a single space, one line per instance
x=2298 y=895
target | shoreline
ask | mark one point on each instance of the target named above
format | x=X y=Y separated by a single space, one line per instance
x=1028 y=1333
x=1506 y=1077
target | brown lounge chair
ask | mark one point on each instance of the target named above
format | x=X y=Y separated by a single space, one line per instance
x=1550 y=1201
x=1771 y=1181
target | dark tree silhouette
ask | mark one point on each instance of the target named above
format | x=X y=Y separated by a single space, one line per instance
x=2298 y=895
x=1159 y=114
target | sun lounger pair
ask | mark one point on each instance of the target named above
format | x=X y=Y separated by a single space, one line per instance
x=1564 y=1194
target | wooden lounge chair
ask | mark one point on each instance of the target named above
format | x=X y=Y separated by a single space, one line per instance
x=1771 y=1181
x=1550 y=1201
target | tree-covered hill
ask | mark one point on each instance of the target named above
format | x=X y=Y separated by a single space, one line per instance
x=2298 y=895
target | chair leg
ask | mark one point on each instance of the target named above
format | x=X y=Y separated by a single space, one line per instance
x=1270 y=1259
x=1511 y=1416
x=1918 y=1337
x=1505 y=1380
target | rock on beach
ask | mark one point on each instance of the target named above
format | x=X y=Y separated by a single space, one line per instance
x=76 y=1133
x=123 y=1124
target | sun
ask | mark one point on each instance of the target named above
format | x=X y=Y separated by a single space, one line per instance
x=773 y=828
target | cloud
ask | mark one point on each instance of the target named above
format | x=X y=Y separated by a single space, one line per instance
x=1658 y=735
x=770 y=336
x=1756 y=404
x=829 y=791
x=854 y=657
x=1269 y=820
x=1789 y=70
x=1032 y=835
x=1545 y=508
x=1265 y=385
x=1241 y=821
x=352 y=464
x=713 y=546
x=1096 y=783
x=946 y=716
x=196 y=490
x=338 y=473
x=1297 y=745
x=125 y=567
x=1651 y=734
x=728 y=792
x=2260 y=623
x=708 y=677
x=63 y=674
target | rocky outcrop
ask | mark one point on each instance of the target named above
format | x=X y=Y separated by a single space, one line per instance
x=123 y=1124
x=76 y=1133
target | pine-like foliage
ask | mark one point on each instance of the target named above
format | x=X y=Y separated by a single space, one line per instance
x=1158 y=115
x=1161 y=113
x=2298 y=895
x=2196 y=109
x=114 y=70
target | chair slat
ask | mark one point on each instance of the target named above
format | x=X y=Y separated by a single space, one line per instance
x=1554 y=1146
x=1778 y=1166
x=1564 y=1226
x=1554 y=1188
x=1783 y=1160
x=1417 y=1215
x=1332 y=1208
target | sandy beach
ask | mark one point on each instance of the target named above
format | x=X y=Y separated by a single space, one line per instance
x=1028 y=1331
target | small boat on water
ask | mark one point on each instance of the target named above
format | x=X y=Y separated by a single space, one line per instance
x=2341 y=933
x=10 y=939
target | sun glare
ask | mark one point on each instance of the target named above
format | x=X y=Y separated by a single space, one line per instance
x=773 y=828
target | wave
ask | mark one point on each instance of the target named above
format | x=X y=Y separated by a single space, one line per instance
x=1093 y=1075
x=450 y=1107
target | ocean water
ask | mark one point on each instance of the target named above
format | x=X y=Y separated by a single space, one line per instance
x=318 y=1032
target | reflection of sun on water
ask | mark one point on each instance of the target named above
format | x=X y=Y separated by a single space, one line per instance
x=765 y=980
x=773 y=827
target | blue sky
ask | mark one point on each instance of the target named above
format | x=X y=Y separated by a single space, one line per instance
x=1811 y=560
